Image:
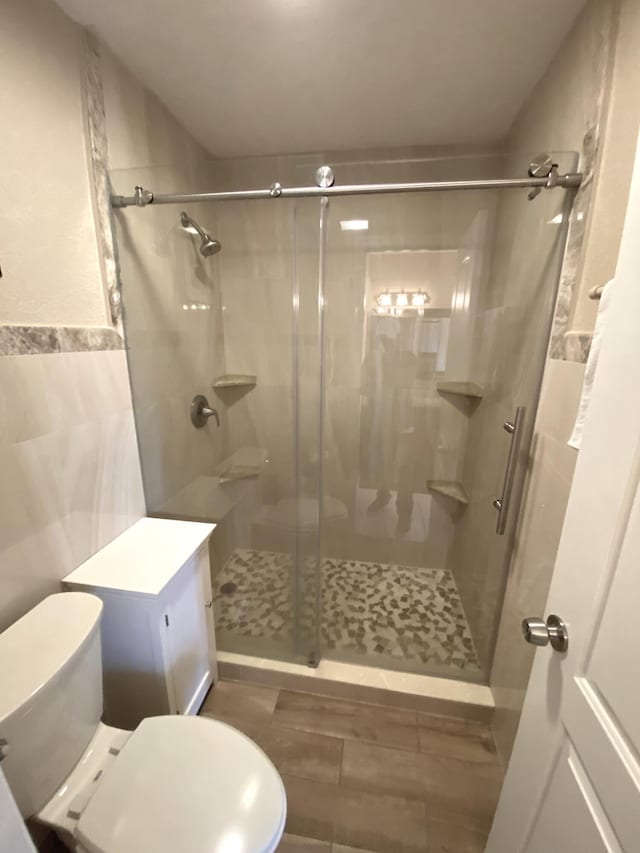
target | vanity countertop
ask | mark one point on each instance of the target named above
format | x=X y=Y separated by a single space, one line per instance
x=145 y=557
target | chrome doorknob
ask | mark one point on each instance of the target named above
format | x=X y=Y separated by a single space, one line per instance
x=540 y=633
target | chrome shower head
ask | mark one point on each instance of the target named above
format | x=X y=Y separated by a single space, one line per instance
x=209 y=246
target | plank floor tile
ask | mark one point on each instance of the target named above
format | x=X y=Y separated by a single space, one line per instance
x=452 y=838
x=240 y=701
x=395 y=727
x=297 y=844
x=364 y=778
x=375 y=822
x=294 y=752
x=447 y=785
x=456 y=738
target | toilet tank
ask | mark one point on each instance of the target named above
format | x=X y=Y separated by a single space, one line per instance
x=50 y=695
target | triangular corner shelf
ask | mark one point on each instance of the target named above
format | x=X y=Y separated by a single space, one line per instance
x=235 y=380
x=450 y=489
x=464 y=389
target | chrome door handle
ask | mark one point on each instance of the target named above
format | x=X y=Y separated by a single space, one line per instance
x=502 y=503
x=540 y=633
x=201 y=411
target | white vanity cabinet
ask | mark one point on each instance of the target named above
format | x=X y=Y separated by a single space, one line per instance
x=158 y=640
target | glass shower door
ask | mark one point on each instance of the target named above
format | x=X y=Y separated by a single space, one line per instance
x=310 y=222
x=363 y=354
x=437 y=309
x=241 y=329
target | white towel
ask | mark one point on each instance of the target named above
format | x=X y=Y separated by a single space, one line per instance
x=592 y=363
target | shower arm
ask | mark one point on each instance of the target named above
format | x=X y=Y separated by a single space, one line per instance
x=187 y=221
x=543 y=174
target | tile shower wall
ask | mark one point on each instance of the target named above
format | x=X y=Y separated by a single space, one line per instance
x=573 y=80
x=68 y=453
x=171 y=294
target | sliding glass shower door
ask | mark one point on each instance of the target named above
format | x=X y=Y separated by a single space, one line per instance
x=437 y=310
x=240 y=328
x=363 y=354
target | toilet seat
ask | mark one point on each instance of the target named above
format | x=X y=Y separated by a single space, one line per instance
x=186 y=784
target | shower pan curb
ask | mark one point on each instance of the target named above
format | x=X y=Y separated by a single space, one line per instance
x=339 y=680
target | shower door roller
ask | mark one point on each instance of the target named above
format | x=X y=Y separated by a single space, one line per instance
x=540 y=633
x=201 y=411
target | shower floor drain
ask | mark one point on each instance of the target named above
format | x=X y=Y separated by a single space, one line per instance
x=229 y=588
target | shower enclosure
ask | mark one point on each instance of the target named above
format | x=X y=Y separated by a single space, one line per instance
x=374 y=362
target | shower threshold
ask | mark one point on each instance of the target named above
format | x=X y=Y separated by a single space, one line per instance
x=357 y=682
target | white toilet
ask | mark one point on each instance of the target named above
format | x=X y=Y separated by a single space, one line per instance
x=174 y=784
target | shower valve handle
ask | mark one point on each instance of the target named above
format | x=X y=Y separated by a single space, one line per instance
x=201 y=411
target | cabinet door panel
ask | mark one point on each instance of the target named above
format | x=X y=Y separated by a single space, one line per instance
x=188 y=640
x=204 y=563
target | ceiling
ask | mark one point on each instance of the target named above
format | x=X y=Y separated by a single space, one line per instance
x=280 y=76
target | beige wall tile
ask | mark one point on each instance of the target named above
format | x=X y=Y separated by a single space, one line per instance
x=54 y=279
x=73 y=487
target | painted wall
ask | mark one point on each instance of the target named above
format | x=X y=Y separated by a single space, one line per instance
x=553 y=461
x=68 y=453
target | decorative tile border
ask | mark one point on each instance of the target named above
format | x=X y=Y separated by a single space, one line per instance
x=47 y=340
x=575 y=346
x=99 y=157
x=566 y=344
x=558 y=347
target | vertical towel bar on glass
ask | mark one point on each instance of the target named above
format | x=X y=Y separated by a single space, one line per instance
x=502 y=503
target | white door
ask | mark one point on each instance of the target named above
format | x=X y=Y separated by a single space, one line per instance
x=573 y=784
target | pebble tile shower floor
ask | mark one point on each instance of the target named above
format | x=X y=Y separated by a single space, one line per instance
x=412 y=615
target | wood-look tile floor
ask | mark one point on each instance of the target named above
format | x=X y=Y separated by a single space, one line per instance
x=369 y=778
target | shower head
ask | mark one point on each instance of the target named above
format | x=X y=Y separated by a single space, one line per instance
x=209 y=246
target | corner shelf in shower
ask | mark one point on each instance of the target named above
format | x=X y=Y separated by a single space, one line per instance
x=235 y=380
x=464 y=389
x=238 y=472
x=450 y=489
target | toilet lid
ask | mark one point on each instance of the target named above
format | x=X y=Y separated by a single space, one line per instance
x=186 y=784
